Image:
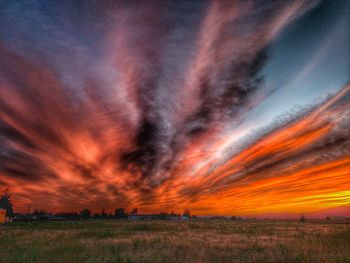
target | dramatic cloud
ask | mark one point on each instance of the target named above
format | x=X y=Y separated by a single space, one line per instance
x=146 y=103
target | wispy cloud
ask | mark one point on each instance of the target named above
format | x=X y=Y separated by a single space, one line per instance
x=139 y=104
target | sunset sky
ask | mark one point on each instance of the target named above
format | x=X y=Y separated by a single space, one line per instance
x=227 y=107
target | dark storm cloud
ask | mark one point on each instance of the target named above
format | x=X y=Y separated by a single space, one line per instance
x=243 y=80
x=221 y=97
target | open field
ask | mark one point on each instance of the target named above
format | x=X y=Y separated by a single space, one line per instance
x=171 y=241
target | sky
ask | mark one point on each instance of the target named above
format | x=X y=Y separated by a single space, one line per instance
x=220 y=107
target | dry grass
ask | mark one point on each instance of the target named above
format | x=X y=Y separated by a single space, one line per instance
x=168 y=241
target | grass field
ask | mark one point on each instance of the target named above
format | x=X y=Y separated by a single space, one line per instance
x=171 y=241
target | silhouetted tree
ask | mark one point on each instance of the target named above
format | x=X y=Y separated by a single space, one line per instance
x=163 y=215
x=39 y=213
x=187 y=213
x=96 y=216
x=134 y=211
x=5 y=203
x=120 y=213
x=85 y=213
x=103 y=214
x=302 y=218
x=173 y=214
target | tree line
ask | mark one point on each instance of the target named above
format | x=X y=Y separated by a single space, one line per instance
x=119 y=213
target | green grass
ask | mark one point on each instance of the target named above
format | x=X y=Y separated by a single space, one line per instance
x=170 y=241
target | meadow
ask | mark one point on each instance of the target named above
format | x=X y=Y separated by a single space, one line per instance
x=174 y=241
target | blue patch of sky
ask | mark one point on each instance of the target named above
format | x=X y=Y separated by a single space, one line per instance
x=309 y=60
